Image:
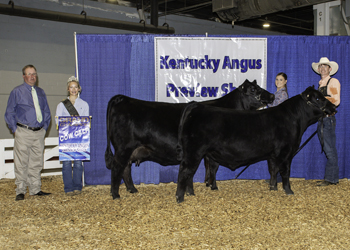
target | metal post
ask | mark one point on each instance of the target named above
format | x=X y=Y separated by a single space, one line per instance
x=154 y=12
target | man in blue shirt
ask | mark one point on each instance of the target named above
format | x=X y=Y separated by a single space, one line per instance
x=28 y=116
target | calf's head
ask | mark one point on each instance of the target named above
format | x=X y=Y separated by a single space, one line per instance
x=316 y=99
x=253 y=90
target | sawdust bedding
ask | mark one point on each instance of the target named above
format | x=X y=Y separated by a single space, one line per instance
x=242 y=214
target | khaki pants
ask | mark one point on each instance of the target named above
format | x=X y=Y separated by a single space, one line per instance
x=28 y=156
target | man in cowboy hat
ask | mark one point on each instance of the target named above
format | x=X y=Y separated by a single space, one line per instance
x=330 y=88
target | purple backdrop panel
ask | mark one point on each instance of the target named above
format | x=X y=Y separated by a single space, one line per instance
x=124 y=64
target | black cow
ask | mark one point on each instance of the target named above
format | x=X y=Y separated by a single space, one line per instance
x=236 y=138
x=148 y=131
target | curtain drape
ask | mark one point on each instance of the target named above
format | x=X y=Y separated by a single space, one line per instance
x=124 y=64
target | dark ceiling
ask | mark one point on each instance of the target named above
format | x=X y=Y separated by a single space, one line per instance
x=298 y=21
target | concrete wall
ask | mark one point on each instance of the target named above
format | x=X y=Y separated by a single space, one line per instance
x=49 y=45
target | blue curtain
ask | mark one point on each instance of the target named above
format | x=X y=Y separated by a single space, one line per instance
x=104 y=70
x=124 y=64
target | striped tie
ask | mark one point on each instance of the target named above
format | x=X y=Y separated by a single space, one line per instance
x=39 y=117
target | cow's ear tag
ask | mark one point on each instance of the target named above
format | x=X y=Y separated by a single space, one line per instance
x=307 y=96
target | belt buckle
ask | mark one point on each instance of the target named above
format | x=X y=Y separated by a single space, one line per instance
x=22 y=125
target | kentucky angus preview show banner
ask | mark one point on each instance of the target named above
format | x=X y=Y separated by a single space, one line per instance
x=204 y=68
x=74 y=138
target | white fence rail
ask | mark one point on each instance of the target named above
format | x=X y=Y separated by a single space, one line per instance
x=52 y=165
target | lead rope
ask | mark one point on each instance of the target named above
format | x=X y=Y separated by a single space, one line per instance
x=300 y=148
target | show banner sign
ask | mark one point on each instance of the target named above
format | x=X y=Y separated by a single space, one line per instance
x=204 y=68
x=74 y=138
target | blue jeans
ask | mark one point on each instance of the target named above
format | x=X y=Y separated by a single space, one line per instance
x=332 y=168
x=72 y=181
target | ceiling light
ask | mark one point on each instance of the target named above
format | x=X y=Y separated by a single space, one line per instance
x=266 y=25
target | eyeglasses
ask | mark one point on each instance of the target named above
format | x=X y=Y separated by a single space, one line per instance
x=30 y=74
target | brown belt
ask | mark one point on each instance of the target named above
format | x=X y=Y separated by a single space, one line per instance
x=30 y=128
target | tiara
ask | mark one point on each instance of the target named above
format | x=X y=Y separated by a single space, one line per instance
x=72 y=78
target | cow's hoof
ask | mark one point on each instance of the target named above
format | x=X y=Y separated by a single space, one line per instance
x=116 y=196
x=132 y=190
x=273 y=188
x=207 y=184
x=214 y=188
x=289 y=192
x=189 y=191
x=190 y=194
x=179 y=199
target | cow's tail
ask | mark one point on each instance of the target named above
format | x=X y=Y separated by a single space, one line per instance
x=187 y=110
x=109 y=157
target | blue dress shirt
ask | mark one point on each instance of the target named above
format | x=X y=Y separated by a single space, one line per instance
x=20 y=108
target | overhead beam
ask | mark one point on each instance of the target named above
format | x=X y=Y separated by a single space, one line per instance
x=296 y=19
x=185 y=9
x=12 y=10
x=249 y=9
x=284 y=24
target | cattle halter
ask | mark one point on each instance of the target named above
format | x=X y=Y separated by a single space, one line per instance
x=257 y=97
x=323 y=108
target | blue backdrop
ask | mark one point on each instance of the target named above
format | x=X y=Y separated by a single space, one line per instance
x=124 y=64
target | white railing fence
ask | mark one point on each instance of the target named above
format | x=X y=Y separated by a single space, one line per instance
x=52 y=165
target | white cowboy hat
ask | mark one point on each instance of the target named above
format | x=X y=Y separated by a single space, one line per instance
x=324 y=60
